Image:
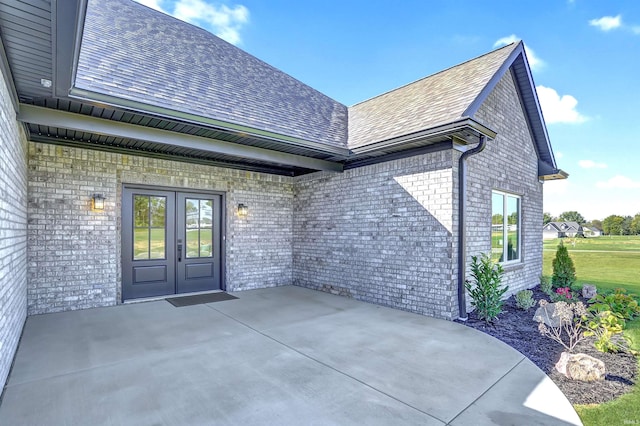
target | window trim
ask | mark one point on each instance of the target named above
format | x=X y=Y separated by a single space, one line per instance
x=505 y=226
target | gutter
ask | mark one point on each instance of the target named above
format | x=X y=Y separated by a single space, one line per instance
x=462 y=224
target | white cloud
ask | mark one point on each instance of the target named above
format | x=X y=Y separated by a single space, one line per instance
x=636 y=29
x=607 y=23
x=557 y=187
x=153 y=4
x=558 y=155
x=619 y=181
x=224 y=21
x=535 y=62
x=558 y=109
x=590 y=164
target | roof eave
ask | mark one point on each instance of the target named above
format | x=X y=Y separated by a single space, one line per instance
x=549 y=172
x=450 y=128
x=142 y=108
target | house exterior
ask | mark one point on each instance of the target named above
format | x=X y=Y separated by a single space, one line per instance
x=219 y=171
x=562 y=230
x=591 y=231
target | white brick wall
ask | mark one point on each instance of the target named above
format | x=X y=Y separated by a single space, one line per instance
x=13 y=232
x=379 y=233
x=74 y=252
x=509 y=164
x=384 y=233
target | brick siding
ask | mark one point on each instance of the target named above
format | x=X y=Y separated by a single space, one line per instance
x=508 y=164
x=380 y=233
x=74 y=252
x=13 y=231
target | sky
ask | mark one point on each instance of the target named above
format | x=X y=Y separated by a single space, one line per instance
x=584 y=56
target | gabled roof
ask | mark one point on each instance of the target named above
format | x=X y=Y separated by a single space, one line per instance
x=429 y=102
x=134 y=53
x=123 y=77
x=449 y=96
x=564 y=226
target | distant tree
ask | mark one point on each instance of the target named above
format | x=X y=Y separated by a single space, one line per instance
x=547 y=217
x=635 y=225
x=571 y=216
x=612 y=225
x=625 y=227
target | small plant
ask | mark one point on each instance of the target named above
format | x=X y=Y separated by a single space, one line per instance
x=564 y=272
x=563 y=294
x=545 y=285
x=486 y=291
x=604 y=325
x=524 y=299
x=571 y=318
x=618 y=302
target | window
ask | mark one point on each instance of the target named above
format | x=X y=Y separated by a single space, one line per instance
x=505 y=226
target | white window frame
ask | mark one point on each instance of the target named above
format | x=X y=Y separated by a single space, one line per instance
x=505 y=226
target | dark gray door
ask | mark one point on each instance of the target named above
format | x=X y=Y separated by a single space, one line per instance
x=198 y=242
x=171 y=242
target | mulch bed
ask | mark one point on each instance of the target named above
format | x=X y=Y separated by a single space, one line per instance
x=517 y=328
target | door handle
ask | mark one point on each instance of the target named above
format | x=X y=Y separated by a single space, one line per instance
x=179 y=252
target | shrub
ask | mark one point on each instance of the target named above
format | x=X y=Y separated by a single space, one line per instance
x=605 y=325
x=486 y=291
x=524 y=299
x=564 y=272
x=570 y=331
x=618 y=302
x=545 y=285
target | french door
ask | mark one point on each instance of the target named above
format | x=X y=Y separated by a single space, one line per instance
x=171 y=242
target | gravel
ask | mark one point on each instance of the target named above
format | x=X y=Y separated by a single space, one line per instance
x=517 y=328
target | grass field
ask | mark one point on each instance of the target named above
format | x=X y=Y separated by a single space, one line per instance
x=624 y=410
x=607 y=262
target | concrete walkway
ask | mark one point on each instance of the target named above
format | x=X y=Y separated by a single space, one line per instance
x=281 y=356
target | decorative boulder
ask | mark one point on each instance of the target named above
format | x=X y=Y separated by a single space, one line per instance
x=589 y=291
x=581 y=367
x=545 y=313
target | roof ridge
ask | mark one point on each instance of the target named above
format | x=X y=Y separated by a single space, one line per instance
x=436 y=73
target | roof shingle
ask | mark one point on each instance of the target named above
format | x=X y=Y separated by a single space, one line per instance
x=432 y=101
x=132 y=52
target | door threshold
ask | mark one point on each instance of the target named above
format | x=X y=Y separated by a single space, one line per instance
x=166 y=296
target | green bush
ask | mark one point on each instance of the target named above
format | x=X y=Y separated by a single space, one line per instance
x=486 y=291
x=524 y=299
x=545 y=285
x=564 y=272
x=604 y=325
x=618 y=302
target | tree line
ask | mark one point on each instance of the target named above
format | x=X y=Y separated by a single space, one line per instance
x=611 y=225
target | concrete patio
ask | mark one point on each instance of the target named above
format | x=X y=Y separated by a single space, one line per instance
x=283 y=355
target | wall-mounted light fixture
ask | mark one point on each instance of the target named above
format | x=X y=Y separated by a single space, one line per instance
x=243 y=210
x=98 y=202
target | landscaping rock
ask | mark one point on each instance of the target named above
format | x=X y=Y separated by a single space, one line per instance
x=545 y=313
x=581 y=367
x=589 y=291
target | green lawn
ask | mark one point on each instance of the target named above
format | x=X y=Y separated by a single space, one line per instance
x=614 y=243
x=607 y=262
x=624 y=410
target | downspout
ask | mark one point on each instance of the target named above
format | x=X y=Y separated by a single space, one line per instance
x=462 y=224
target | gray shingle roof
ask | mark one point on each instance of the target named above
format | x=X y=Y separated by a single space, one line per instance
x=132 y=52
x=435 y=100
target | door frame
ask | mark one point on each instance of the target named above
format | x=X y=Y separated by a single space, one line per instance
x=176 y=189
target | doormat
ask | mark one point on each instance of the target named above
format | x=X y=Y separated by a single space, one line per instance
x=198 y=299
